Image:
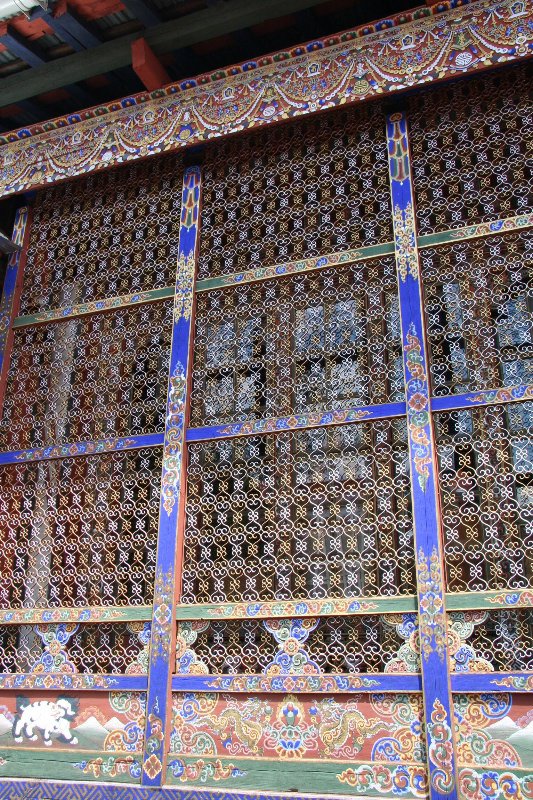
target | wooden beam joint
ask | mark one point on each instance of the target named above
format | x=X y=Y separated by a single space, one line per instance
x=147 y=66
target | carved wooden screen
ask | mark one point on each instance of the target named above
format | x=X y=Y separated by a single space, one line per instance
x=80 y=480
x=305 y=563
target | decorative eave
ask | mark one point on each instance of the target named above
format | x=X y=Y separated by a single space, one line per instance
x=322 y=75
x=233 y=70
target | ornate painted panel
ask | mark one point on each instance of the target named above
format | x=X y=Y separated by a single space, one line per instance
x=470 y=146
x=495 y=730
x=88 y=378
x=80 y=532
x=319 y=513
x=328 y=340
x=234 y=739
x=422 y=48
x=312 y=188
x=485 y=466
x=78 y=737
x=105 y=235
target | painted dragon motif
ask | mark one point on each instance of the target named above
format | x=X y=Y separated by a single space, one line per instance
x=341 y=725
x=249 y=731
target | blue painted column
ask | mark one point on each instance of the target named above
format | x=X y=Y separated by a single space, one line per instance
x=171 y=513
x=11 y=294
x=428 y=547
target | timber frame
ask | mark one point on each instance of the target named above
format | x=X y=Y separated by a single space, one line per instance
x=353 y=67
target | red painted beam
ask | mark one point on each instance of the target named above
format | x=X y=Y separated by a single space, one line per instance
x=147 y=66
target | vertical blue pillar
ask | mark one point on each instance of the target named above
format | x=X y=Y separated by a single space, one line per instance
x=438 y=707
x=171 y=512
x=11 y=294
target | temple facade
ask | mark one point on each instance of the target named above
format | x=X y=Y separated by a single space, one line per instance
x=265 y=456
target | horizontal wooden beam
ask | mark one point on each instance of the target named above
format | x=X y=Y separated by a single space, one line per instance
x=296 y=267
x=144 y=12
x=498 y=600
x=483 y=397
x=463 y=682
x=467 y=682
x=95 y=306
x=61 y=681
x=301 y=81
x=297 y=421
x=91 y=614
x=278 y=609
x=500 y=226
x=73 y=449
x=479 y=230
x=352 y=606
x=330 y=683
x=173 y=35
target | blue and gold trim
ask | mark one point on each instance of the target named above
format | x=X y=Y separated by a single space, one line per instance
x=88 y=448
x=171 y=504
x=491 y=682
x=295 y=684
x=72 y=682
x=484 y=397
x=309 y=419
x=429 y=557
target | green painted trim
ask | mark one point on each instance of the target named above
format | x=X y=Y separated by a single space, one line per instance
x=277 y=271
x=299 y=608
x=44 y=763
x=504 y=225
x=34 y=616
x=94 y=307
x=295 y=267
x=289 y=775
x=504 y=598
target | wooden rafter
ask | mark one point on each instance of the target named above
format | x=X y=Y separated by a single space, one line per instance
x=164 y=38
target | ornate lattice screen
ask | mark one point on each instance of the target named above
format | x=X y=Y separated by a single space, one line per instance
x=265 y=468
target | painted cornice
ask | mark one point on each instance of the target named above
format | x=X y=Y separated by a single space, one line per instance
x=324 y=74
x=230 y=72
